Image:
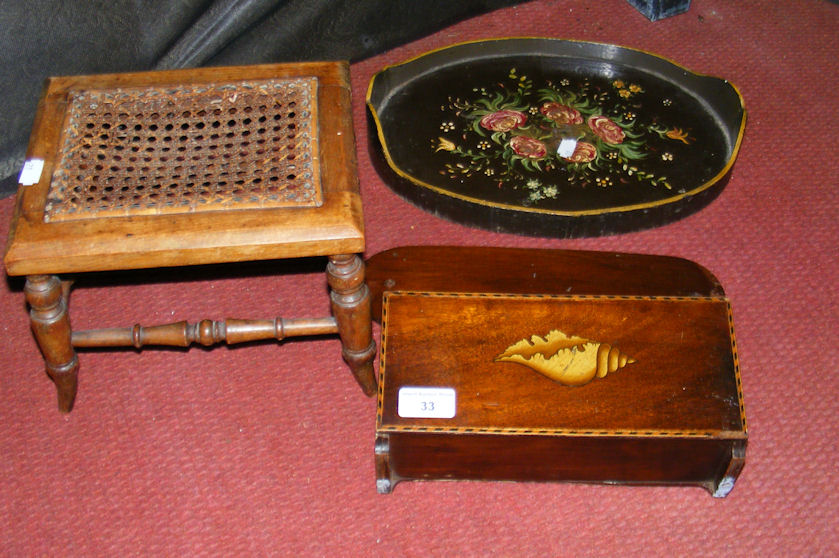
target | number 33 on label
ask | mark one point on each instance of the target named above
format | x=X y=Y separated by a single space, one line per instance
x=426 y=402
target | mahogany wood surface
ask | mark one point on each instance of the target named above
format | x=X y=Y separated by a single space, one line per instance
x=533 y=271
x=605 y=388
x=642 y=461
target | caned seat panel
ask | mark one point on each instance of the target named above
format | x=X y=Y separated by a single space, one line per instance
x=149 y=151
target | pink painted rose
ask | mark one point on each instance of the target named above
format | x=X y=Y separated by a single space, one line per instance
x=561 y=114
x=503 y=120
x=606 y=129
x=583 y=153
x=528 y=147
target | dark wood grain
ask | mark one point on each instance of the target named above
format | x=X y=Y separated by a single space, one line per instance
x=417 y=456
x=533 y=271
x=666 y=409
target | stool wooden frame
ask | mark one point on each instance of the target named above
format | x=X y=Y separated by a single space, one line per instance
x=217 y=209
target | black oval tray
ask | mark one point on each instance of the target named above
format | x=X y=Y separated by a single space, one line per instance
x=554 y=138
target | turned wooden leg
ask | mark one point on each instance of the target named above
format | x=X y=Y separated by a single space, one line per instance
x=51 y=325
x=351 y=308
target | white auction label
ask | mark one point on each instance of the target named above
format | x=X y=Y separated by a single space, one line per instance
x=566 y=147
x=426 y=402
x=31 y=172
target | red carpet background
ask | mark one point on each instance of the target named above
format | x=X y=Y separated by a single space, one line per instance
x=268 y=450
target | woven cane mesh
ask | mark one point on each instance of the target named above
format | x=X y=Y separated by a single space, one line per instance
x=147 y=151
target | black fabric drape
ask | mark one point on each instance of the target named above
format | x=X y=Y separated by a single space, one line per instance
x=41 y=38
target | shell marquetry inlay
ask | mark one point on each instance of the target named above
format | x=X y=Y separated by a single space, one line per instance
x=567 y=359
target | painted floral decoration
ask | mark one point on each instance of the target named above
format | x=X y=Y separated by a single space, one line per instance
x=533 y=139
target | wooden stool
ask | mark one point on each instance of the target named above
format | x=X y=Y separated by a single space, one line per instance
x=191 y=167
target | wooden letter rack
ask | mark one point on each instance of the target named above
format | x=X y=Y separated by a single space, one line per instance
x=510 y=364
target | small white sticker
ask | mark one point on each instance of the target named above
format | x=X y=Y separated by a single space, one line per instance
x=426 y=402
x=566 y=147
x=31 y=172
